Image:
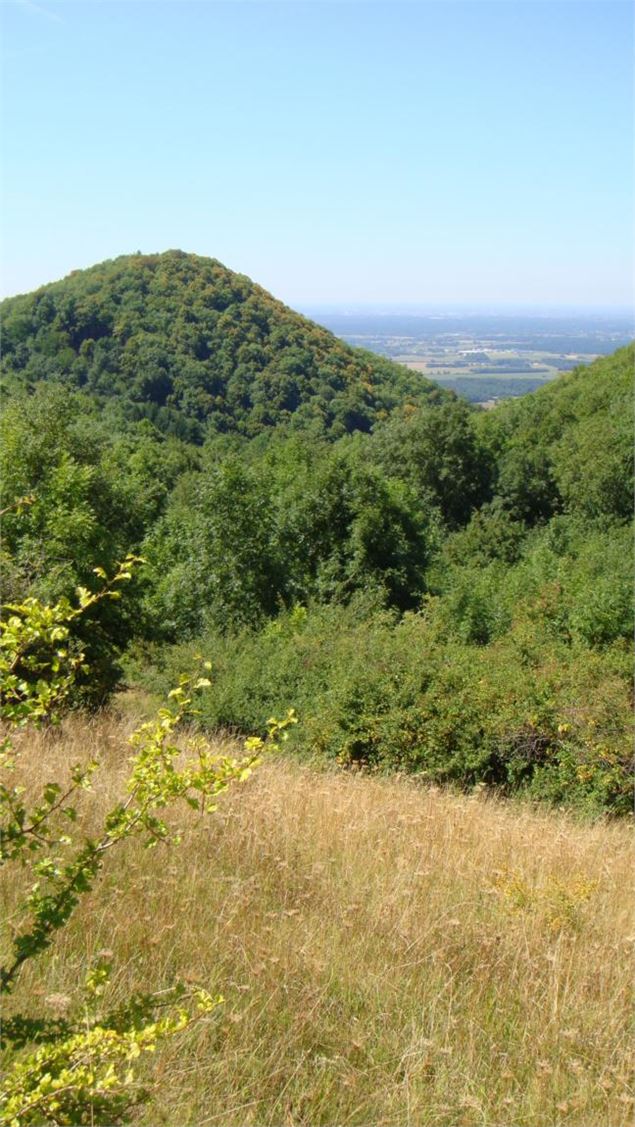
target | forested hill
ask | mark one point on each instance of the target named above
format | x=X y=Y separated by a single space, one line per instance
x=193 y=346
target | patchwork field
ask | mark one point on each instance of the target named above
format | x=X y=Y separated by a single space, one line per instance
x=483 y=356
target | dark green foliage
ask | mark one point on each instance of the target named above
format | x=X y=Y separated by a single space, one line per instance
x=492 y=534
x=569 y=446
x=214 y=557
x=344 y=527
x=251 y=534
x=191 y=345
x=439 y=454
x=94 y=493
x=434 y=589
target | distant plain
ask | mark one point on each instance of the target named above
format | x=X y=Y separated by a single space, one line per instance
x=483 y=356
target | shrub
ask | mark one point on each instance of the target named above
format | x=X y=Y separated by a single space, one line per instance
x=529 y=710
x=82 y=1069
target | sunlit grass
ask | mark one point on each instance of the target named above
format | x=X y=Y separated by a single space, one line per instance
x=388 y=954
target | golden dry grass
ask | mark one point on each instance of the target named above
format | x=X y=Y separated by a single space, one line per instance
x=387 y=954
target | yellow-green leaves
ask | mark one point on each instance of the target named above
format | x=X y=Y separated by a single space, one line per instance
x=84 y=1072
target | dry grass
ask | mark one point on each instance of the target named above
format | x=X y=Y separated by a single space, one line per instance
x=388 y=954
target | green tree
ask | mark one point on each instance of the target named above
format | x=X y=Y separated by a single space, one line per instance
x=214 y=558
x=437 y=451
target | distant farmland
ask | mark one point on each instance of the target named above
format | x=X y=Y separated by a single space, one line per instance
x=484 y=357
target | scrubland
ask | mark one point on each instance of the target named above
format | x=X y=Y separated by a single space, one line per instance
x=387 y=953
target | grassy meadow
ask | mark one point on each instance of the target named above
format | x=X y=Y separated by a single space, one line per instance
x=387 y=954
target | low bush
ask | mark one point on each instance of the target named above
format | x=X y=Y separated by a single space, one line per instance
x=530 y=710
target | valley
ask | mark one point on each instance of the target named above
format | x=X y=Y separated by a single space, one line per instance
x=483 y=357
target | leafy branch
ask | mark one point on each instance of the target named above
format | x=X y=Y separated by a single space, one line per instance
x=82 y=1069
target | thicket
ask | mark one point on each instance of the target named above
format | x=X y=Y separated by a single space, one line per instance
x=513 y=668
x=536 y=708
x=448 y=594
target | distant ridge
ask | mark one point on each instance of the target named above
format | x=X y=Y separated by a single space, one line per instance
x=193 y=346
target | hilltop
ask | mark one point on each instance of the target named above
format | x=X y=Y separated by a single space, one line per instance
x=193 y=346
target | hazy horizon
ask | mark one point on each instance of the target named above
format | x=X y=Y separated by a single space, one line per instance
x=406 y=308
x=379 y=308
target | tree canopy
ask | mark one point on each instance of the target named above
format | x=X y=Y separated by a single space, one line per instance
x=194 y=347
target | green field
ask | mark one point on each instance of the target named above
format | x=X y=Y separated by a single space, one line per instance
x=482 y=382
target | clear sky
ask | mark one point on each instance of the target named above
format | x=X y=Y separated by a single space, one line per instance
x=432 y=151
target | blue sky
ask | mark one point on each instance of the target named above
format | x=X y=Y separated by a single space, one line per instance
x=352 y=152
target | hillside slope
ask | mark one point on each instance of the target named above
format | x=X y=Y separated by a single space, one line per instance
x=384 y=951
x=569 y=446
x=185 y=341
